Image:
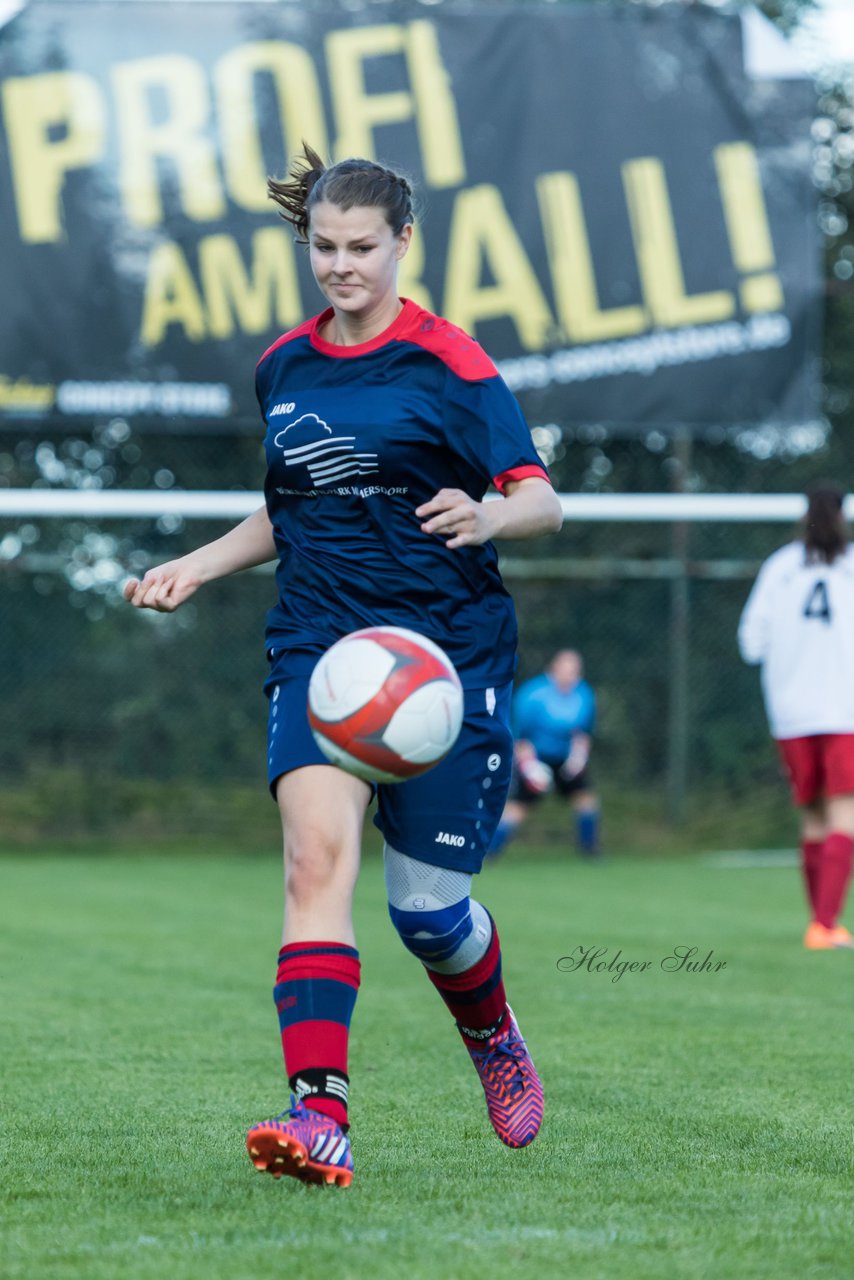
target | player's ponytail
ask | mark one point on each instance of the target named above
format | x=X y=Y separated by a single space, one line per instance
x=347 y=184
x=825 y=533
x=293 y=194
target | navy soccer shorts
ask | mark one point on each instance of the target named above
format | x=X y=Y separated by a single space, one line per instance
x=448 y=815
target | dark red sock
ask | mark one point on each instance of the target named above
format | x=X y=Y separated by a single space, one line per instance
x=316 y=986
x=834 y=874
x=475 y=997
x=810 y=865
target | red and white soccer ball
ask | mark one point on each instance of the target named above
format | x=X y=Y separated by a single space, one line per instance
x=385 y=704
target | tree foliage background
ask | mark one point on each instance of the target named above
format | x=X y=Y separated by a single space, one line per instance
x=116 y=722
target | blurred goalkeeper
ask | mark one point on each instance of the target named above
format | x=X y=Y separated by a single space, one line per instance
x=553 y=720
x=798 y=622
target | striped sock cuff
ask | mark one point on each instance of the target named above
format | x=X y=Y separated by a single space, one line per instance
x=307 y=960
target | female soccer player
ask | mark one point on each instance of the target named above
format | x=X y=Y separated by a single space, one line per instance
x=799 y=624
x=384 y=427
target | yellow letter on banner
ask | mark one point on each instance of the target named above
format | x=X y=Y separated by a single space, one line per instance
x=267 y=294
x=481 y=229
x=568 y=250
x=180 y=138
x=69 y=102
x=747 y=225
x=430 y=100
x=357 y=113
x=300 y=111
x=658 y=252
x=171 y=297
x=436 y=109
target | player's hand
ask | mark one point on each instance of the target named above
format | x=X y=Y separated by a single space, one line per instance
x=457 y=518
x=163 y=588
x=536 y=775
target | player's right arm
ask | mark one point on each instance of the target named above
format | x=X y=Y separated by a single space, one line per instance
x=757 y=619
x=168 y=585
x=579 y=753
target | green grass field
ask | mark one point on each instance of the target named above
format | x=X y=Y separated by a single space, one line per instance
x=698 y=1124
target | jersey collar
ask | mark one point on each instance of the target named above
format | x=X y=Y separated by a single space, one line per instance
x=362 y=348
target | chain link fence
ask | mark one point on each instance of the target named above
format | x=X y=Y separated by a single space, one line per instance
x=139 y=726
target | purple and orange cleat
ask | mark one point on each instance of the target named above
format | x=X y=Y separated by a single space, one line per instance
x=514 y=1093
x=303 y=1144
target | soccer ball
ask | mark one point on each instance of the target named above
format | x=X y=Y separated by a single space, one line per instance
x=385 y=704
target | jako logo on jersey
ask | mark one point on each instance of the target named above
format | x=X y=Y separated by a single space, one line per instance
x=493 y=762
x=281 y=408
x=308 y=441
x=444 y=837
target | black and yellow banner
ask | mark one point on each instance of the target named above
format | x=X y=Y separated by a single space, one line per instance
x=620 y=215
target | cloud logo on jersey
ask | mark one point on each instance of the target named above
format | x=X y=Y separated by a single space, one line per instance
x=308 y=441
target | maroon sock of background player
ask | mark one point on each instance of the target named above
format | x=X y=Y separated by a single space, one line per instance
x=834 y=874
x=810 y=864
x=475 y=997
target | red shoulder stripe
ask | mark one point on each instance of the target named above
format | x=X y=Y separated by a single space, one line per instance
x=300 y=330
x=448 y=342
x=520 y=473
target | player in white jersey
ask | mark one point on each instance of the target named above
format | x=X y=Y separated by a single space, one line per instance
x=799 y=624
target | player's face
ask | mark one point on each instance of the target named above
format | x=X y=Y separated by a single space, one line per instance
x=354 y=255
x=566 y=669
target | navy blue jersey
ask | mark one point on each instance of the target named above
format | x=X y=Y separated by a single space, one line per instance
x=357 y=438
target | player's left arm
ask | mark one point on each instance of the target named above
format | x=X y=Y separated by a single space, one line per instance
x=528 y=508
x=581 y=740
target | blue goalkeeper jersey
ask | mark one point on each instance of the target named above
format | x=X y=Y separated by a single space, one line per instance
x=548 y=717
x=357 y=438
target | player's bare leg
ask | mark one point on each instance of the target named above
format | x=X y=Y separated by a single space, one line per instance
x=322 y=810
x=317 y=976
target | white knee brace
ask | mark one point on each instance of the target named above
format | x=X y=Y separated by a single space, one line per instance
x=432 y=911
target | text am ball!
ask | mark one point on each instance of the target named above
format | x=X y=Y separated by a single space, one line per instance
x=385 y=704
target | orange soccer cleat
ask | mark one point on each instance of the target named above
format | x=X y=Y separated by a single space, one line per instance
x=819 y=938
x=302 y=1144
x=514 y=1094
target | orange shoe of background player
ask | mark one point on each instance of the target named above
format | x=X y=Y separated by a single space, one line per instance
x=819 y=938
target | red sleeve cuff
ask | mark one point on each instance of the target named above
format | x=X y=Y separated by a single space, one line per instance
x=519 y=473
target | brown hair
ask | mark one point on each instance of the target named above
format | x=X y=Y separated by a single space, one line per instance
x=825 y=533
x=347 y=184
